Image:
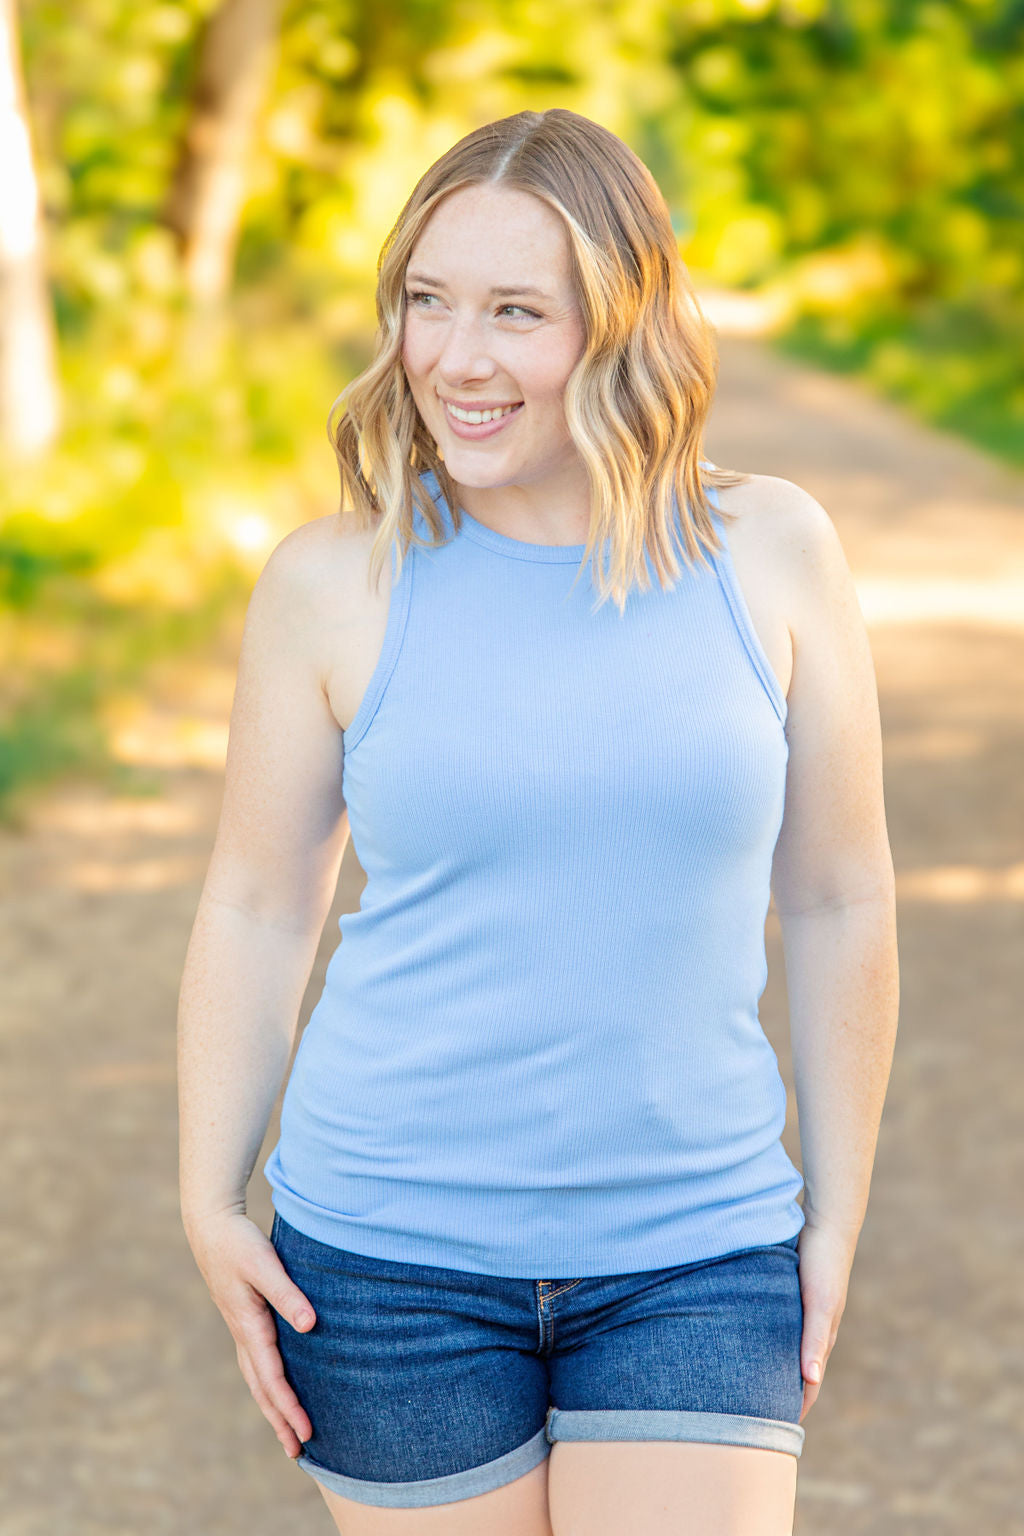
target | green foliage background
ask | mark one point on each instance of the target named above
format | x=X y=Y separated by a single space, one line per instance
x=857 y=163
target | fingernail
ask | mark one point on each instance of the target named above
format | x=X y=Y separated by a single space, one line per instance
x=814 y=1371
x=303 y=1319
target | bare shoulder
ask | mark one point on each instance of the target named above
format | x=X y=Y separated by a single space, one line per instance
x=779 y=515
x=321 y=572
x=316 y=580
x=833 y=848
x=321 y=559
x=784 y=533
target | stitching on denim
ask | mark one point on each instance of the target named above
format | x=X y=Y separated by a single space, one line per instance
x=562 y=1292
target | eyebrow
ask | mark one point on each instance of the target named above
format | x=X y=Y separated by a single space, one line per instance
x=502 y=293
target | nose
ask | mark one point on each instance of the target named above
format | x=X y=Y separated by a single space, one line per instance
x=464 y=353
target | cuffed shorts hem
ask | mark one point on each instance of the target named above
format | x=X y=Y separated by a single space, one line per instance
x=435 y=1490
x=674 y=1424
x=566 y=1424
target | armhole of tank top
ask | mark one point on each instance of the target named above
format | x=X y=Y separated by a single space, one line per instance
x=394 y=634
x=741 y=614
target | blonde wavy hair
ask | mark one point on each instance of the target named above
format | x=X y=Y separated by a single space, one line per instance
x=636 y=403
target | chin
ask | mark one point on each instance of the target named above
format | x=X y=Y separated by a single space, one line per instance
x=470 y=470
x=478 y=481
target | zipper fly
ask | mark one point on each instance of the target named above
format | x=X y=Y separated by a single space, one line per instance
x=547 y=1291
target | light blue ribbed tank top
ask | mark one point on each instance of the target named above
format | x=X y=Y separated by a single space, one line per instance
x=537 y=1052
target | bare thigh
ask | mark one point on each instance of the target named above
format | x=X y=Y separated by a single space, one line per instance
x=518 y=1509
x=617 y=1488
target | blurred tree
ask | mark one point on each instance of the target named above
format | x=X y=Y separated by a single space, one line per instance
x=29 y=390
x=204 y=205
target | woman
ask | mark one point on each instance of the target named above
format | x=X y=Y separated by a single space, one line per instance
x=537 y=1264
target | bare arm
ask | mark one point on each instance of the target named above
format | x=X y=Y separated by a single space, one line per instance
x=270 y=882
x=834 y=891
x=269 y=885
x=241 y=991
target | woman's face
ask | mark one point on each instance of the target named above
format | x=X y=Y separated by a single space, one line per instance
x=492 y=321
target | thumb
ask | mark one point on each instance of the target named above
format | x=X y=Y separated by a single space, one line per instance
x=285 y=1297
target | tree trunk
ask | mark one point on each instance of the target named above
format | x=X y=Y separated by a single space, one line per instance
x=29 y=388
x=207 y=192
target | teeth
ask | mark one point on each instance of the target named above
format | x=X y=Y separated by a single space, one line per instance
x=474 y=418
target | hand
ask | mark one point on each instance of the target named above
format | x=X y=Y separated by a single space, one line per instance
x=243 y=1272
x=826 y=1258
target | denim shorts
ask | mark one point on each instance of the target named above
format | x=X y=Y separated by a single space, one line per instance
x=427 y=1385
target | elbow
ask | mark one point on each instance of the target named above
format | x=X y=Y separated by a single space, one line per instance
x=872 y=887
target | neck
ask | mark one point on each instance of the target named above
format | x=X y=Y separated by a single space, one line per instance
x=555 y=510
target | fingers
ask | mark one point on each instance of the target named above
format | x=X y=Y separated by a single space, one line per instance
x=821 y=1325
x=269 y=1285
x=825 y=1262
x=272 y=1412
x=815 y=1347
x=246 y=1280
x=810 y=1397
x=260 y=1361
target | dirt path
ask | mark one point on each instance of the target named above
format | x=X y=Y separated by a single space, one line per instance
x=123 y=1412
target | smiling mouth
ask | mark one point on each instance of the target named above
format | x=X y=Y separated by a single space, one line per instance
x=478 y=418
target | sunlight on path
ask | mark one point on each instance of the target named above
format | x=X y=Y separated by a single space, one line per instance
x=999 y=604
x=961 y=884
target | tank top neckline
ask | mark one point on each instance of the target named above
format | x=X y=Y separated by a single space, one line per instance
x=517 y=549
x=501 y=543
